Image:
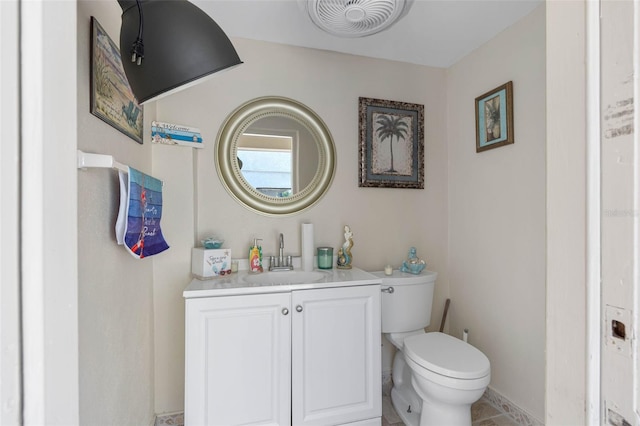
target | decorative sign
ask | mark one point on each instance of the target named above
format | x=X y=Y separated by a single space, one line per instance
x=176 y=134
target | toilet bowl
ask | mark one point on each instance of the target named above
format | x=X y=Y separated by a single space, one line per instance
x=448 y=375
x=436 y=377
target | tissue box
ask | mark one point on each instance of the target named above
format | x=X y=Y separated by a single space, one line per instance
x=211 y=263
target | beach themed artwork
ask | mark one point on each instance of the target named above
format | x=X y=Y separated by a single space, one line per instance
x=176 y=134
x=111 y=97
x=494 y=118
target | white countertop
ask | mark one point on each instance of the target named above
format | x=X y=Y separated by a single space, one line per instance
x=237 y=284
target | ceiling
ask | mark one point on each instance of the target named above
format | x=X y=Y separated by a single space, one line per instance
x=435 y=32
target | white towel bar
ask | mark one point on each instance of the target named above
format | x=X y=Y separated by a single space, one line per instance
x=86 y=159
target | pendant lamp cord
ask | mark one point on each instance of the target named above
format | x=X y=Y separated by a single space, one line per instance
x=137 y=50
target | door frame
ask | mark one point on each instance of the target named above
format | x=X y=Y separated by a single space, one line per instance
x=48 y=211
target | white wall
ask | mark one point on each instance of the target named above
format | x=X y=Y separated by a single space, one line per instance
x=566 y=221
x=115 y=291
x=172 y=273
x=497 y=213
x=10 y=357
x=385 y=222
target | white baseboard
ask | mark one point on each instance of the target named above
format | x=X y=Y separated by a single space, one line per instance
x=516 y=413
x=170 y=419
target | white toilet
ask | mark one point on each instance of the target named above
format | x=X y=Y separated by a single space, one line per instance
x=436 y=377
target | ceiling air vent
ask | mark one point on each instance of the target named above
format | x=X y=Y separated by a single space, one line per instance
x=355 y=18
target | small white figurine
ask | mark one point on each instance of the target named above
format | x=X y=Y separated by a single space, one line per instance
x=344 y=253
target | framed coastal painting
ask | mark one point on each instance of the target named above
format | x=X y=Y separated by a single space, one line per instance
x=494 y=118
x=391 y=144
x=111 y=97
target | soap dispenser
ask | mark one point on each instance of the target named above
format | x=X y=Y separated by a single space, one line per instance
x=255 y=257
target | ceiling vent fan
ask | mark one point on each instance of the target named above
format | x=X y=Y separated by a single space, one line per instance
x=355 y=18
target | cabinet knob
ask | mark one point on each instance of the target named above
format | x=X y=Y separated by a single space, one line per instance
x=299 y=308
x=285 y=311
x=389 y=290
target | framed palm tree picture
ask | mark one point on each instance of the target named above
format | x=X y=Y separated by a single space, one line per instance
x=494 y=118
x=391 y=142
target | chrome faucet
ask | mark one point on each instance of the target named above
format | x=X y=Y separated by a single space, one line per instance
x=281 y=247
x=281 y=263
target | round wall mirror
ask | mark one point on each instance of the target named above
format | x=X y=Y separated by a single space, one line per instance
x=275 y=156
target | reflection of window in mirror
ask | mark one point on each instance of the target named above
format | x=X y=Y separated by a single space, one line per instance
x=267 y=163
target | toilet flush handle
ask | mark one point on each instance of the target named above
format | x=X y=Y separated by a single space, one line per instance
x=389 y=290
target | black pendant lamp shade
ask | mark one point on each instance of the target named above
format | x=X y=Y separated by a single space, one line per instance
x=178 y=43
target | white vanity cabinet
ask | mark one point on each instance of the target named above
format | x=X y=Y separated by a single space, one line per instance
x=237 y=361
x=335 y=355
x=304 y=357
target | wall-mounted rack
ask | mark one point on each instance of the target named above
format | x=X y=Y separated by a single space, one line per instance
x=87 y=159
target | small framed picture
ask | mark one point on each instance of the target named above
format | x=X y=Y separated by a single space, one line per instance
x=112 y=100
x=391 y=144
x=494 y=118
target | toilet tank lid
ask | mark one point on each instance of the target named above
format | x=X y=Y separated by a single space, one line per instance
x=405 y=278
x=447 y=356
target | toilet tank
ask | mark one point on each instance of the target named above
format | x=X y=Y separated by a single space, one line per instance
x=408 y=307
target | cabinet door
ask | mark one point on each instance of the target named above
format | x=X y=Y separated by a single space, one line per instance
x=336 y=362
x=238 y=355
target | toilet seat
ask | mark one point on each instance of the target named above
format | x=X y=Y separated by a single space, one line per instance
x=447 y=356
x=398 y=338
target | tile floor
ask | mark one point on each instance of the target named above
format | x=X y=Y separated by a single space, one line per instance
x=482 y=414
